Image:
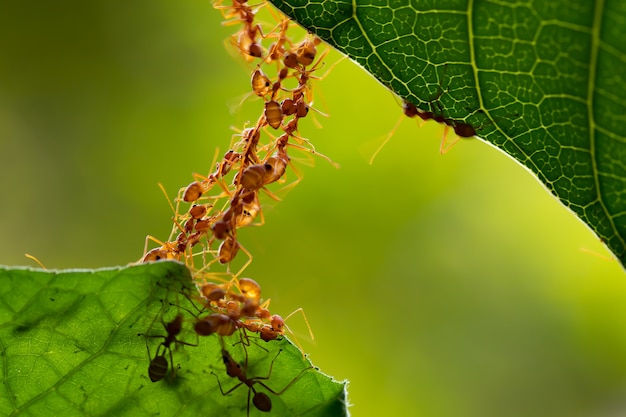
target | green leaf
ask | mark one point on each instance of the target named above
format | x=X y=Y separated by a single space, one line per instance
x=543 y=81
x=74 y=343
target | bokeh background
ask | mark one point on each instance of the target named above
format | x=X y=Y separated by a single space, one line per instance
x=450 y=285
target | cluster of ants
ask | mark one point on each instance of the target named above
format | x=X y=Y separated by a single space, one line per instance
x=225 y=309
x=227 y=199
x=253 y=163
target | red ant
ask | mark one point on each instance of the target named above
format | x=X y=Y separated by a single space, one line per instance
x=245 y=40
x=277 y=49
x=461 y=129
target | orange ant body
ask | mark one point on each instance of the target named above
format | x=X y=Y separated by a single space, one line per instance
x=273 y=114
x=278 y=164
x=157 y=254
x=197 y=211
x=277 y=326
x=167 y=250
x=290 y=60
x=250 y=288
x=245 y=39
x=288 y=106
x=306 y=51
x=251 y=207
x=228 y=250
x=261 y=84
x=193 y=192
x=215 y=323
x=254 y=176
x=243 y=309
x=305 y=57
x=277 y=49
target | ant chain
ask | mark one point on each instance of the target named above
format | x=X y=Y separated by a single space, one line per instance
x=210 y=211
x=208 y=214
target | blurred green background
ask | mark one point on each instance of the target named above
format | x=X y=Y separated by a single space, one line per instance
x=439 y=286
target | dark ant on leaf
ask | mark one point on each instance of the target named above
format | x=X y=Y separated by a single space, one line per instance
x=157 y=370
x=260 y=400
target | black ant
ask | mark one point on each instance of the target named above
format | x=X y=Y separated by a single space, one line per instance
x=157 y=370
x=260 y=400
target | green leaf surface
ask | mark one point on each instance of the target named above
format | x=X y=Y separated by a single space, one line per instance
x=542 y=80
x=73 y=343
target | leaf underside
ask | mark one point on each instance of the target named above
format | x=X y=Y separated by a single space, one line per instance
x=74 y=343
x=541 y=80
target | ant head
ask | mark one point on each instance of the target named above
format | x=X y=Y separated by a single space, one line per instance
x=409 y=109
x=277 y=323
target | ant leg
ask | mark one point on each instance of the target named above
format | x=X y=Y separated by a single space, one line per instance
x=219 y=384
x=286 y=387
x=385 y=141
x=301 y=310
x=443 y=148
x=34 y=259
x=269 y=373
x=172 y=363
x=174 y=210
x=245 y=265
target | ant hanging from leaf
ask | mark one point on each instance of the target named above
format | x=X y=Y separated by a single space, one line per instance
x=462 y=129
